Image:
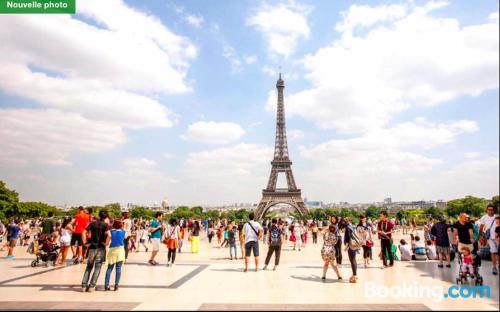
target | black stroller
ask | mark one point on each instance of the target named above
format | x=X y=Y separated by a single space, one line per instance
x=464 y=275
x=44 y=249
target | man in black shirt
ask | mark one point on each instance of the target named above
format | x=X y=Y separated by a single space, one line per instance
x=98 y=238
x=464 y=232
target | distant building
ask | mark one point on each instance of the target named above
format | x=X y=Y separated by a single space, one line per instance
x=388 y=201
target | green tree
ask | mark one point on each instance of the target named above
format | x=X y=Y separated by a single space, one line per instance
x=141 y=213
x=34 y=209
x=114 y=210
x=496 y=203
x=197 y=211
x=473 y=206
x=372 y=212
x=433 y=212
x=8 y=199
x=182 y=212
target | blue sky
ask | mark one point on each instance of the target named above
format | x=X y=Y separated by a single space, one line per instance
x=137 y=101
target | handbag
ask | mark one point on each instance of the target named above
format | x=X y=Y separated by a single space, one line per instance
x=293 y=238
x=487 y=234
x=369 y=243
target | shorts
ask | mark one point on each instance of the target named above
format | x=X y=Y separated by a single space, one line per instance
x=443 y=250
x=12 y=242
x=156 y=244
x=142 y=240
x=252 y=245
x=65 y=243
x=76 y=239
x=493 y=246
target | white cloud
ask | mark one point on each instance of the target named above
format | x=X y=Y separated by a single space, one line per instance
x=134 y=163
x=32 y=136
x=168 y=155
x=237 y=62
x=281 y=25
x=359 y=82
x=106 y=77
x=195 y=20
x=381 y=163
x=224 y=174
x=364 y=15
x=230 y=54
x=213 y=132
x=472 y=155
x=269 y=71
x=250 y=59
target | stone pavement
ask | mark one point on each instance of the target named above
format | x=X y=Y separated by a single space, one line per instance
x=209 y=280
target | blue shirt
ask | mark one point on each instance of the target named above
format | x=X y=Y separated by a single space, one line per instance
x=117 y=238
x=156 y=234
x=13 y=231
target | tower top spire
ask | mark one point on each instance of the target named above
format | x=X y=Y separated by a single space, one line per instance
x=280 y=82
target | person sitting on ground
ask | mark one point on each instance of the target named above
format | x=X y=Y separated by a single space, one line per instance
x=405 y=250
x=431 y=250
x=418 y=247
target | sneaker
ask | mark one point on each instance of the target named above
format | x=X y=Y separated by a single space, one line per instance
x=245 y=270
x=275 y=268
x=440 y=266
x=495 y=271
x=256 y=269
x=91 y=289
x=168 y=264
x=448 y=265
x=10 y=257
x=264 y=268
x=84 y=288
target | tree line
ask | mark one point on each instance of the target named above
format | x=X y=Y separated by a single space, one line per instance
x=10 y=206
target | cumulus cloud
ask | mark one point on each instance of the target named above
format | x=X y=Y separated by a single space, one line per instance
x=108 y=72
x=281 y=25
x=33 y=136
x=195 y=20
x=223 y=174
x=213 y=132
x=360 y=81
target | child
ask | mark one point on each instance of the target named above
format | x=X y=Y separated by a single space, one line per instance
x=467 y=261
x=226 y=235
x=405 y=251
x=143 y=233
x=431 y=251
x=231 y=239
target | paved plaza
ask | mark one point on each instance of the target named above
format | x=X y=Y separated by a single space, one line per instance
x=209 y=280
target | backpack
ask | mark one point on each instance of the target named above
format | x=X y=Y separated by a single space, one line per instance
x=275 y=236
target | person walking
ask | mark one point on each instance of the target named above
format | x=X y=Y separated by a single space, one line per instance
x=275 y=235
x=440 y=231
x=99 y=237
x=297 y=232
x=353 y=242
x=155 y=229
x=195 y=237
x=127 y=227
x=81 y=222
x=182 y=232
x=366 y=235
x=464 y=232
x=314 y=231
x=253 y=233
x=13 y=231
x=231 y=240
x=384 y=230
x=172 y=239
x=328 y=250
x=65 y=240
x=487 y=228
x=338 y=245
x=116 y=254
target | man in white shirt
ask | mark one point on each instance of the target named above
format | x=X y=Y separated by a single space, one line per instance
x=487 y=225
x=253 y=234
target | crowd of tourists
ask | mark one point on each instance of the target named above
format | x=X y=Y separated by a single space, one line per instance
x=95 y=241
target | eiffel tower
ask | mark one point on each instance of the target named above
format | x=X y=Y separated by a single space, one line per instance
x=281 y=163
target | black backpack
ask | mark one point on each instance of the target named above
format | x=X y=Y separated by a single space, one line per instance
x=275 y=236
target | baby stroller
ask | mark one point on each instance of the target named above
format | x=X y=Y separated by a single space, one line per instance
x=44 y=249
x=463 y=275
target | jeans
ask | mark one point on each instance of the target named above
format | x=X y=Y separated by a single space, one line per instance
x=272 y=249
x=118 y=273
x=338 y=250
x=386 y=247
x=352 y=259
x=232 y=247
x=126 y=243
x=315 y=237
x=180 y=244
x=94 y=261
